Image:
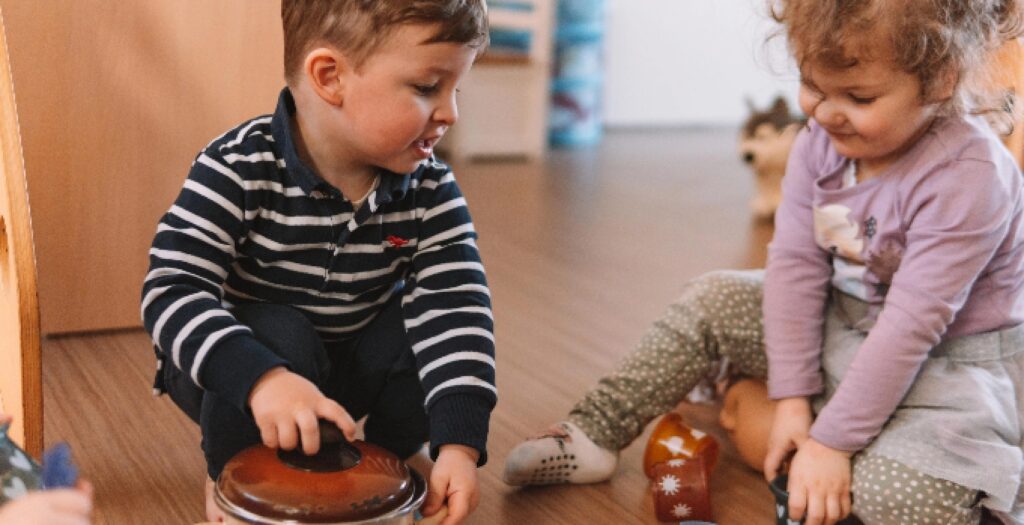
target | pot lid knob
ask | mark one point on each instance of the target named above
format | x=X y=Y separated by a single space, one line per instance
x=335 y=453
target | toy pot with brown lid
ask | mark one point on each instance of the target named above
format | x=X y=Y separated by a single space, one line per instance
x=343 y=483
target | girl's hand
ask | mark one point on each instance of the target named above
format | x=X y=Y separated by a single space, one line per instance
x=819 y=483
x=287 y=407
x=52 y=507
x=790 y=429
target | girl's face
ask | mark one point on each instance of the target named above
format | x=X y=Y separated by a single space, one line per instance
x=873 y=111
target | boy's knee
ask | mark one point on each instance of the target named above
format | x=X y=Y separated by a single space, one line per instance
x=403 y=437
x=288 y=333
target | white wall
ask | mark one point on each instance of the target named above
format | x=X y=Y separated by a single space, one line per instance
x=691 y=62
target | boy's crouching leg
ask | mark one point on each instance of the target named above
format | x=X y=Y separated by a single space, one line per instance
x=227 y=430
x=398 y=421
x=388 y=385
x=213 y=512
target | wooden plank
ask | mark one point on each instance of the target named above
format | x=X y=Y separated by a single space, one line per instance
x=20 y=367
x=115 y=101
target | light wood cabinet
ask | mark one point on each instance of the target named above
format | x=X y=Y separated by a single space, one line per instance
x=114 y=101
x=503 y=108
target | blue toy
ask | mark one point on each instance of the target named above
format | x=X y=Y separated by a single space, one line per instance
x=19 y=473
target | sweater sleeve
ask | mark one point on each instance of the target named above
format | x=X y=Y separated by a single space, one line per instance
x=957 y=218
x=448 y=318
x=796 y=279
x=189 y=260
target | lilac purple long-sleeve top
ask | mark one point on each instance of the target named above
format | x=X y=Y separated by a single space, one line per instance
x=940 y=241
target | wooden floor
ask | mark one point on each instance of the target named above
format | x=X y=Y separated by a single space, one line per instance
x=582 y=253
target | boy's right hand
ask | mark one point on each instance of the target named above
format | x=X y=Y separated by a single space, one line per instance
x=52 y=507
x=287 y=406
x=790 y=428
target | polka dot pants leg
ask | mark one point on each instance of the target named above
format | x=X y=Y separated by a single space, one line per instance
x=718 y=315
x=886 y=492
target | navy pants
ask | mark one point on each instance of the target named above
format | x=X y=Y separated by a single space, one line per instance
x=373 y=375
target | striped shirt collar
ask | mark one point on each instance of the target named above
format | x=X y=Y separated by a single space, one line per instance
x=393 y=186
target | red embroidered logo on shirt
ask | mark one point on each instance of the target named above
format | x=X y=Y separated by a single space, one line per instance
x=397 y=242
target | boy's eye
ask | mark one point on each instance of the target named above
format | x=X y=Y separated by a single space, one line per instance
x=862 y=101
x=425 y=89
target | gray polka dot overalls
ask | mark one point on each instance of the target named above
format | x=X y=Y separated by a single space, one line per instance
x=718 y=316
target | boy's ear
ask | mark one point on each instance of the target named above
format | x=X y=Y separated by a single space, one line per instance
x=325 y=69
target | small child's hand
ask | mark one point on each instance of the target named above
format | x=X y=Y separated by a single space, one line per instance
x=790 y=428
x=819 y=484
x=52 y=507
x=453 y=479
x=286 y=407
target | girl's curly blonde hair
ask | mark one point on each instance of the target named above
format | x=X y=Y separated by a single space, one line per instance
x=929 y=39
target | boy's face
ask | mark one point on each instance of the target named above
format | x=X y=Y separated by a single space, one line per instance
x=401 y=101
x=872 y=111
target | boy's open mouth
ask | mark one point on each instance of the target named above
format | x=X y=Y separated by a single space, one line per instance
x=427 y=143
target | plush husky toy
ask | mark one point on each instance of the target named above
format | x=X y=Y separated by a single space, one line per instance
x=765 y=141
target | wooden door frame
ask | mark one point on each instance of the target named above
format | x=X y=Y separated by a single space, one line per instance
x=23 y=395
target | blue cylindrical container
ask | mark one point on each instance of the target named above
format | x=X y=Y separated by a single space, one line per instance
x=578 y=76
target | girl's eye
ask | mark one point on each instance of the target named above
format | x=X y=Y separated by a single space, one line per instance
x=863 y=101
x=425 y=89
x=813 y=91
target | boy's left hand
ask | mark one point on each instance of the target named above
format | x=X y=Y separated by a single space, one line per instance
x=453 y=479
x=819 y=484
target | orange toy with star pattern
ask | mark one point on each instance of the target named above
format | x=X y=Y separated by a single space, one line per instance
x=672 y=439
x=679 y=460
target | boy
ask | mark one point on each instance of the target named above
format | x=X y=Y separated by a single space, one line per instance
x=321 y=264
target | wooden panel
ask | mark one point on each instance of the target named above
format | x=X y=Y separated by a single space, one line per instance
x=20 y=367
x=115 y=100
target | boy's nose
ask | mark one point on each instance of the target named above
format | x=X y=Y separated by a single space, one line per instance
x=447 y=112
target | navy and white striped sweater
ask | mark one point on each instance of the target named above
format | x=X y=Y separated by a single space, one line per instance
x=253 y=223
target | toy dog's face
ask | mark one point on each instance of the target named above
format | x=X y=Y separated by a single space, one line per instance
x=764 y=144
x=767 y=148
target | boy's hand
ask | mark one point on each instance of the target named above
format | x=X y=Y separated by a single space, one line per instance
x=52 y=507
x=287 y=406
x=819 y=484
x=790 y=429
x=453 y=479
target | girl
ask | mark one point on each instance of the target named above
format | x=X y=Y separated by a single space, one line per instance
x=893 y=299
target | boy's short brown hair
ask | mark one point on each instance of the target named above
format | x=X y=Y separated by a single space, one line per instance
x=357 y=27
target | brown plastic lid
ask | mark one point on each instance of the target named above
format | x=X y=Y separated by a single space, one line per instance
x=342 y=482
